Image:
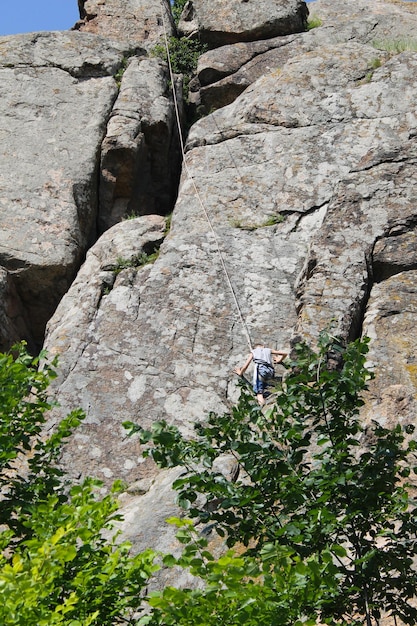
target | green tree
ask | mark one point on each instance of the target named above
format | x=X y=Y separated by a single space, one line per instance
x=313 y=481
x=273 y=586
x=24 y=403
x=60 y=560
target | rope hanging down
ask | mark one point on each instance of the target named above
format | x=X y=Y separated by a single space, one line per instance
x=200 y=200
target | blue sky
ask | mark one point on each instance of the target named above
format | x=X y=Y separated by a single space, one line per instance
x=25 y=16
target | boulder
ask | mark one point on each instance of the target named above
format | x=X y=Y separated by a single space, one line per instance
x=142 y=22
x=223 y=22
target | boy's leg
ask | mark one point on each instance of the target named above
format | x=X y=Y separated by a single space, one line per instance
x=259 y=390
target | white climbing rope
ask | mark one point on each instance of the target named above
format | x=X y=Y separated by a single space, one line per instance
x=200 y=199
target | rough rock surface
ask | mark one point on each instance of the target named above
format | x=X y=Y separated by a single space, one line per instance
x=93 y=331
x=303 y=190
x=286 y=149
x=221 y=22
x=390 y=322
x=225 y=72
x=57 y=85
x=139 y=21
x=80 y=55
x=54 y=84
x=375 y=199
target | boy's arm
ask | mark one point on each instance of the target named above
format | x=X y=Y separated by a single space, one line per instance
x=281 y=355
x=241 y=370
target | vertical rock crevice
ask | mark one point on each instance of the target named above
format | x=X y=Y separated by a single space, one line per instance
x=140 y=157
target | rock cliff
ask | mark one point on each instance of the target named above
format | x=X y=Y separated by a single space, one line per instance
x=296 y=206
x=138 y=21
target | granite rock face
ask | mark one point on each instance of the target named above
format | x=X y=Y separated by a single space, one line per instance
x=76 y=149
x=301 y=177
x=141 y=22
x=296 y=207
x=390 y=323
x=225 y=72
x=223 y=22
x=94 y=332
x=55 y=84
x=340 y=139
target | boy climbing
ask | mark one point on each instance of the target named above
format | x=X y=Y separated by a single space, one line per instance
x=263 y=370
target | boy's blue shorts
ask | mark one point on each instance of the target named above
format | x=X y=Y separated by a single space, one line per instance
x=259 y=386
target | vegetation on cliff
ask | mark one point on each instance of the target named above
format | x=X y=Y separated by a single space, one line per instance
x=318 y=515
x=60 y=562
x=177 y=8
x=184 y=52
x=317 y=518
